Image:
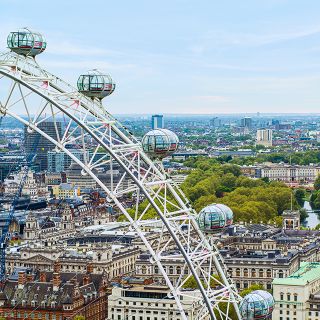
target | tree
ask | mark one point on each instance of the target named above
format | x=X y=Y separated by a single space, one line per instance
x=317 y=183
x=303 y=214
x=253 y=287
x=300 y=196
x=79 y=318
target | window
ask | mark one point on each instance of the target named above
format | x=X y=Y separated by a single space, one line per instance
x=288 y=296
x=295 y=297
x=245 y=272
x=261 y=273
x=171 y=270
x=253 y=273
x=238 y=272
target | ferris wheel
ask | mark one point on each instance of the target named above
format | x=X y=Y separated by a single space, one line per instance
x=25 y=87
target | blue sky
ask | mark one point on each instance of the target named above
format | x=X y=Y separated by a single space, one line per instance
x=179 y=56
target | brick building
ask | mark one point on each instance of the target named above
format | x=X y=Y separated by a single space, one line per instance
x=54 y=295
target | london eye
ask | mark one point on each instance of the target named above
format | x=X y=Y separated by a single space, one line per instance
x=26 y=87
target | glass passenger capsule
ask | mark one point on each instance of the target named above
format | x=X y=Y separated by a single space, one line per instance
x=160 y=143
x=95 y=84
x=214 y=217
x=26 y=42
x=258 y=304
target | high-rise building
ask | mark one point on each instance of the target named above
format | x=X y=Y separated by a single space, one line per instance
x=34 y=143
x=246 y=123
x=264 y=137
x=157 y=121
x=59 y=161
x=215 y=122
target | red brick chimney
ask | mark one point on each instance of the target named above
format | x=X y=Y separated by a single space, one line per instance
x=21 y=279
x=29 y=277
x=89 y=268
x=86 y=279
x=43 y=276
x=56 y=266
x=56 y=281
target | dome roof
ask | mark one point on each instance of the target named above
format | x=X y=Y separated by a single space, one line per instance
x=257 y=305
x=214 y=217
x=160 y=143
x=95 y=84
x=26 y=42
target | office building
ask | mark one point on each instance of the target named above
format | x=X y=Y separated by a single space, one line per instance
x=297 y=297
x=34 y=143
x=264 y=137
x=215 y=122
x=59 y=161
x=157 y=121
x=246 y=123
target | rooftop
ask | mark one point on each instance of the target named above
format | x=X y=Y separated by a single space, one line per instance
x=308 y=272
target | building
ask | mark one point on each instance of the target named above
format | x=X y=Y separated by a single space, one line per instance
x=291 y=220
x=290 y=173
x=297 y=297
x=10 y=163
x=65 y=191
x=146 y=302
x=264 y=137
x=246 y=123
x=215 y=122
x=54 y=295
x=35 y=143
x=113 y=260
x=30 y=188
x=157 y=121
x=59 y=161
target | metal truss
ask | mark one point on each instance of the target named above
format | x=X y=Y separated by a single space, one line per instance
x=26 y=88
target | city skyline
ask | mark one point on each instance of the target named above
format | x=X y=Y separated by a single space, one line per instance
x=210 y=57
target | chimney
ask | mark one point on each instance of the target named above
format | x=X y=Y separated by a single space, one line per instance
x=43 y=276
x=29 y=277
x=89 y=268
x=56 y=281
x=56 y=267
x=21 y=279
x=86 y=279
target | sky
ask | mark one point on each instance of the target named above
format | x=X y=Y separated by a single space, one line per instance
x=183 y=56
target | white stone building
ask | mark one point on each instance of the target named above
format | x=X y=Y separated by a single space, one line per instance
x=290 y=173
x=150 y=302
x=297 y=297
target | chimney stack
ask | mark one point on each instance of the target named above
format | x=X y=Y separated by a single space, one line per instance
x=56 y=281
x=21 y=279
x=43 y=276
x=56 y=266
x=89 y=268
x=29 y=277
x=86 y=279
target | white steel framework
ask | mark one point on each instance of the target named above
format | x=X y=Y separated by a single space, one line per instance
x=27 y=88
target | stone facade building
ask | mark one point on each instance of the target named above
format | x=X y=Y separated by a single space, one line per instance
x=297 y=297
x=54 y=295
x=150 y=302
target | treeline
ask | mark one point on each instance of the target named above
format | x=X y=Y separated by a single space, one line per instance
x=300 y=158
x=253 y=200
